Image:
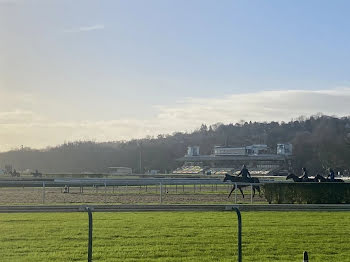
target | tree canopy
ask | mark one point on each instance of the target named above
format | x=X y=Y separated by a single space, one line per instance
x=318 y=142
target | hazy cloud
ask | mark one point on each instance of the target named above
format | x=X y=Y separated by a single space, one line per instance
x=261 y=106
x=18 y=117
x=85 y=28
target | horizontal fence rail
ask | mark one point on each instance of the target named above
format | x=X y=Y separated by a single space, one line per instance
x=128 y=182
x=142 y=208
x=114 y=182
x=76 y=182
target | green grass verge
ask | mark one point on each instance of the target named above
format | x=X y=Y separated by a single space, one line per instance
x=176 y=236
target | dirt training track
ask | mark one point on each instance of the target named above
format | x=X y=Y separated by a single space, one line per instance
x=137 y=208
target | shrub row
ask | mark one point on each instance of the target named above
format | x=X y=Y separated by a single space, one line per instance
x=307 y=193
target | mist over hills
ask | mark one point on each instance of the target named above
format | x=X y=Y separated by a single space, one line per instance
x=318 y=142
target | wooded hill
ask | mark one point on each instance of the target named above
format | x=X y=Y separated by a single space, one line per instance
x=318 y=142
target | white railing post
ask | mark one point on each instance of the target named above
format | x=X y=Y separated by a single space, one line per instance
x=105 y=191
x=160 y=193
x=43 y=192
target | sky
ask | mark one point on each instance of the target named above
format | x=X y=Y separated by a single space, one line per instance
x=117 y=70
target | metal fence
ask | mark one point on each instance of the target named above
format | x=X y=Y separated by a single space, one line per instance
x=124 y=191
x=239 y=234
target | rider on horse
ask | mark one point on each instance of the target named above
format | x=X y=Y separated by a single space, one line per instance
x=305 y=175
x=245 y=173
x=331 y=175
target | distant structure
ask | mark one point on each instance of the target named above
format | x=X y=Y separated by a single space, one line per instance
x=230 y=159
x=240 y=151
x=284 y=149
x=120 y=170
x=193 y=151
x=153 y=172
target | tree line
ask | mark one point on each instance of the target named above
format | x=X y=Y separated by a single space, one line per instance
x=318 y=142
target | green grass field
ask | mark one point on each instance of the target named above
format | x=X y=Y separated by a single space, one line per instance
x=176 y=236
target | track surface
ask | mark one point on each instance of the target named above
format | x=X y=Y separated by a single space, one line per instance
x=137 y=208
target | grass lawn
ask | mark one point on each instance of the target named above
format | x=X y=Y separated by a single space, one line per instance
x=176 y=236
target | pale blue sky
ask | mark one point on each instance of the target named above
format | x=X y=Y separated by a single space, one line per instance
x=68 y=63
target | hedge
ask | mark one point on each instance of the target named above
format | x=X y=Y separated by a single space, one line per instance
x=307 y=193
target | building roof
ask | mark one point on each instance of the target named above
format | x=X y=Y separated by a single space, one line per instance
x=263 y=157
x=119 y=167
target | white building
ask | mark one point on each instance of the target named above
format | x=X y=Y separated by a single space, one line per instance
x=285 y=149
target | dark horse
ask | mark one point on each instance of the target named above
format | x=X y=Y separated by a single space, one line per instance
x=14 y=173
x=241 y=180
x=298 y=179
x=36 y=174
x=320 y=178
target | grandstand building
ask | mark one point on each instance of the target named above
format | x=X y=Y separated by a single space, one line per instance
x=230 y=159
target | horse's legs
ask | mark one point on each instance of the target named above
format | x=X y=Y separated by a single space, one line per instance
x=253 y=187
x=258 y=188
x=233 y=188
x=240 y=189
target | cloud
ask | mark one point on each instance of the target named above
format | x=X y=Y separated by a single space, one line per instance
x=23 y=127
x=261 y=106
x=85 y=28
x=18 y=117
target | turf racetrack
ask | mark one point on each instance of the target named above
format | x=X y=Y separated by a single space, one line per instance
x=176 y=236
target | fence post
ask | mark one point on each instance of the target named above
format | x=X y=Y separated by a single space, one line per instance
x=43 y=192
x=306 y=257
x=160 y=193
x=251 y=193
x=239 y=233
x=105 y=192
x=236 y=193
x=90 y=235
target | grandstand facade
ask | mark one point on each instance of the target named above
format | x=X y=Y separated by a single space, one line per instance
x=231 y=159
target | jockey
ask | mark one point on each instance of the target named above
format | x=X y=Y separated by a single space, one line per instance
x=305 y=174
x=245 y=173
x=331 y=174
